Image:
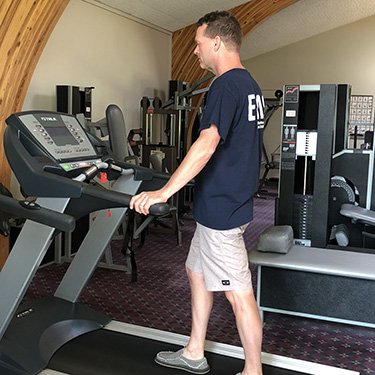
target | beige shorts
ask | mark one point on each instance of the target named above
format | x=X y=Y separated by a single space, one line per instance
x=221 y=257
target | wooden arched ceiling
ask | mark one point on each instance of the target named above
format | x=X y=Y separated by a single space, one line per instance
x=185 y=65
x=25 y=26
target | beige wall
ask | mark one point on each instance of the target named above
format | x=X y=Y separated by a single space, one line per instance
x=344 y=55
x=92 y=45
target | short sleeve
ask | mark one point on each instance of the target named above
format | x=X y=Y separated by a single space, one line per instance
x=220 y=110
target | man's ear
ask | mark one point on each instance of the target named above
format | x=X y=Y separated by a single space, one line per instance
x=217 y=43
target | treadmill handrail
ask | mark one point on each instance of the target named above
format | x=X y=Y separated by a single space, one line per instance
x=62 y=222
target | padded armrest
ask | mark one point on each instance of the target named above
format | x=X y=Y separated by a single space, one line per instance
x=358 y=213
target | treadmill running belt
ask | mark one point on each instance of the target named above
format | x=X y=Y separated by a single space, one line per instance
x=112 y=353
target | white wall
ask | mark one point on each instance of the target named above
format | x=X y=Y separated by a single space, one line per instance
x=95 y=46
x=344 y=55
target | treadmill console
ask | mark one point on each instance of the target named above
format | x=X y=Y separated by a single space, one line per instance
x=61 y=136
x=47 y=150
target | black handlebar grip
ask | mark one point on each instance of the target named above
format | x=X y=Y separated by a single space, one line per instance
x=159 y=209
x=34 y=212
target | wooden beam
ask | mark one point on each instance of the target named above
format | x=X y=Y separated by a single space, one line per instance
x=185 y=65
x=25 y=26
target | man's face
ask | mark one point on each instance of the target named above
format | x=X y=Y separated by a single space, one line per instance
x=204 y=48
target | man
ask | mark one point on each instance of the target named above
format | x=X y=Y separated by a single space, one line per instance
x=225 y=161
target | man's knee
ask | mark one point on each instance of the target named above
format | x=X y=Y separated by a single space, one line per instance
x=240 y=299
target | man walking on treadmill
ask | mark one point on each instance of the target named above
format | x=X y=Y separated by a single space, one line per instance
x=225 y=162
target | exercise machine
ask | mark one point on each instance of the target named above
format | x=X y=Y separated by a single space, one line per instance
x=54 y=159
x=74 y=100
x=326 y=196
x=165 y=124
x=319 y=171
x=272 y=105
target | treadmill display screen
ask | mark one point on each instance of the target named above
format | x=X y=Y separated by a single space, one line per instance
x=61 y=135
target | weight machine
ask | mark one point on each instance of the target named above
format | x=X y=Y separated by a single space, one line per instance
x=165 y=125
x=318 y=170
x=272 y=105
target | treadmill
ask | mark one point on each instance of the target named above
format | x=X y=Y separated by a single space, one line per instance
x=54 y=159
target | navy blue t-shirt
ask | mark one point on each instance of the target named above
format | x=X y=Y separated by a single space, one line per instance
x=225 y=187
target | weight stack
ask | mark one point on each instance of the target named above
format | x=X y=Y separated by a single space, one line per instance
x=302 y=219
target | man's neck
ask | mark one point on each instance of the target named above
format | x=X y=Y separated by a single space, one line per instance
x=226 y=67
x=227 y=61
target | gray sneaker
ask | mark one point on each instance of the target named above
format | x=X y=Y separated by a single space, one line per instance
x=178 y=361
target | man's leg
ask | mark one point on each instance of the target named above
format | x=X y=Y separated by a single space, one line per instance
x=201 y=306
x=249 y=328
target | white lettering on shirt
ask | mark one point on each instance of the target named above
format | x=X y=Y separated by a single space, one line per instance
x=256 y=105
